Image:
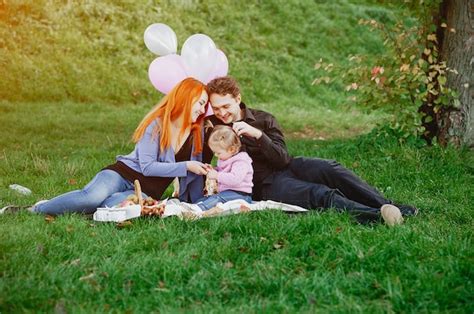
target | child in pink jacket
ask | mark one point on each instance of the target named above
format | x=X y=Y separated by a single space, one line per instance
x=234 y=172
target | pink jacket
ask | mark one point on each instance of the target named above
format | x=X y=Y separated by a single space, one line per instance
x=235 y=173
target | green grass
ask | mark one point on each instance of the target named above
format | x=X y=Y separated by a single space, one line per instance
x=326 y=262
x=75 y=87
x=94 y=52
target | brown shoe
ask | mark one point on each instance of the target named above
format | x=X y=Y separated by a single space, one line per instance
x=391 y=215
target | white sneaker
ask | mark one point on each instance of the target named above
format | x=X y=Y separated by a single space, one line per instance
x=391 y=215
x=32 y=208
x=9 y=208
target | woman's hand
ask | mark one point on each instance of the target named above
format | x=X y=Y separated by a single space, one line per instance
x=196 y=167
x=212 y=174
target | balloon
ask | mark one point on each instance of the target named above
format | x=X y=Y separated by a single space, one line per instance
x=165 y=72
x=199 y=56
x=160 y=39
x=221 y=67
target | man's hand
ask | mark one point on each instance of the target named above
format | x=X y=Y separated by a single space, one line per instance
x=212 y=174
x=242 y=128
x=196 y=167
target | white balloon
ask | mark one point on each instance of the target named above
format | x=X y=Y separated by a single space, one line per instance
x=160 y=39
x=199 y=54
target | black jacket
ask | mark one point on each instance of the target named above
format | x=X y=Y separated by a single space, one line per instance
x=268 y=153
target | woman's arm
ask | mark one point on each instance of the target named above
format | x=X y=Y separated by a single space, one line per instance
x=148 y=150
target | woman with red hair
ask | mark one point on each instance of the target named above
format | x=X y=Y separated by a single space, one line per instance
x=168 y=144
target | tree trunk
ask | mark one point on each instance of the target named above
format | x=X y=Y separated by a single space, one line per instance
x=456 y=125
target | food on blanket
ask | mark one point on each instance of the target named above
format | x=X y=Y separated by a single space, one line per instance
x=211 y=187
x=150 y=207
x=126 y=203
x=155 y=210
x=133 y=198
x=149 y=201
x=175 y=188
x=138 y=192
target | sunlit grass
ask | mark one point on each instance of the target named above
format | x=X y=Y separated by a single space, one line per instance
x=93 y=52
x=265 y=261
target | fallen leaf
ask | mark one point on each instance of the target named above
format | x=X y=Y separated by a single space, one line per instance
x=124 y=224
x=75 y=262
x=60 y=307
x=87 y=277
x=127 y=286
x=277 y=246
x=49 y=218
x=72 y=181
x=40 y=248
x=161 y=287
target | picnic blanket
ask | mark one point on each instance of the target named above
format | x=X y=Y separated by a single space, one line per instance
x=173 y=207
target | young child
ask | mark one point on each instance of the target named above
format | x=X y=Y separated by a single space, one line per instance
x=234 y=172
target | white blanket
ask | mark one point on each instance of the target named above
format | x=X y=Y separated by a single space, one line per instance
x=173 y=207
x=185 y=210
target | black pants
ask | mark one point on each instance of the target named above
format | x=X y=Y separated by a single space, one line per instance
x=318 y=183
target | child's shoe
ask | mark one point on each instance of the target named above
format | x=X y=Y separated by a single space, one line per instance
x=391 y=215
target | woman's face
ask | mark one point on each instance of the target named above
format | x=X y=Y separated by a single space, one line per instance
x=199 y=107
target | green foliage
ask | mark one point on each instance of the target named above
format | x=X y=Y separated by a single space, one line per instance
x=408 y=74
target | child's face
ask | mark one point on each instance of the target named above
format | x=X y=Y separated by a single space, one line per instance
x=221 y=153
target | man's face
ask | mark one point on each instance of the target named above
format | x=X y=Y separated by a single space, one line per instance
x=226 y=108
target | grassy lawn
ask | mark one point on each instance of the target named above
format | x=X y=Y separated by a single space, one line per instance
x=75 y=89
x=265 y=261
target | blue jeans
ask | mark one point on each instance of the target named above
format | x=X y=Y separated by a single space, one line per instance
x=107 y=188
x=209 y=202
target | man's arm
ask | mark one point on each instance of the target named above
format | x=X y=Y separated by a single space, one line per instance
x=270 y=140
x=273 y=146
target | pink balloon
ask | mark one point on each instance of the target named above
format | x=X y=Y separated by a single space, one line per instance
x=221 y=67
x=165 y=72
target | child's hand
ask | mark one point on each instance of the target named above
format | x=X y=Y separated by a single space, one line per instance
x=208 y=167
x=212 y=174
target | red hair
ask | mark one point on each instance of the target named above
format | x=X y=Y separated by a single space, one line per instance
x=177 y=104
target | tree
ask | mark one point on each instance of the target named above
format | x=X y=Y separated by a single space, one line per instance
x=425 y=77
x=456 y=41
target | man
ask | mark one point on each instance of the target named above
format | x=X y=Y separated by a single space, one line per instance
x=307 y=182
